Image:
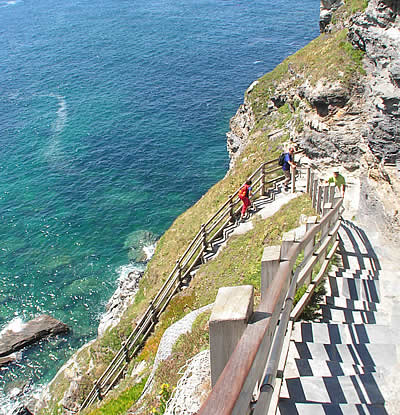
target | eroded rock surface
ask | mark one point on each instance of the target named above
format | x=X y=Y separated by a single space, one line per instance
x=29 y=333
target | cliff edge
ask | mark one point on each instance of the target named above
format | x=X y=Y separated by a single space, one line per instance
x=337 y=100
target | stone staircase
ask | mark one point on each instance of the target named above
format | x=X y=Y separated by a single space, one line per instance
x=345 y=362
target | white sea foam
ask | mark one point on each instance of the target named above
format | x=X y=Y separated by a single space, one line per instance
x=57 y=127
x=149 y=251
x=16 y=325
x=61 y=120
x=124 y=270
x=12 y=402
x=8 y=3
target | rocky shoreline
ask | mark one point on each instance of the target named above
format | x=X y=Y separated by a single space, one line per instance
x=356 y=127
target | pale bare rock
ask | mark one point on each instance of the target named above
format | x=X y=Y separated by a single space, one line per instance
x=193 y=387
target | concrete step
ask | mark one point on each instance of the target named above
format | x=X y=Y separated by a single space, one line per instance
x=355 y=274
x=341 y=315
x=288 y=407
x=349 y=304
x=348 y=354
x=327 y=333
x=356 y=389
x=353 y=289
x=311 y=367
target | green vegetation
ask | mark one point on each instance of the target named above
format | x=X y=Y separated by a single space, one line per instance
x=122 y=403
x=354 y=6
x=328 y=59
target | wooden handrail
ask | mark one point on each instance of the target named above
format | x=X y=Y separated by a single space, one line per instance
x=184 y=265
x=233 y=391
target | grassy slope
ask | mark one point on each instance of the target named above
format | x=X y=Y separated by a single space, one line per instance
x=239 y=263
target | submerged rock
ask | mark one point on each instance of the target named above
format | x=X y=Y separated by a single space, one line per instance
x=29 y=333
x=140 y=245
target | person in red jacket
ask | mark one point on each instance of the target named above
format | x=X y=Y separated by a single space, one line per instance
x=244 y=195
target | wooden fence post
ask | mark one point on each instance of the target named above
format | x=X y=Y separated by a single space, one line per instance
x=231 y=209
x=98 y=391
x=204 y=241
x=269 y=267
x=331 y=192
x=308 y=180
x=262 y=191
x=327 y=226
x=314 y=193
x=293 y=174
x=232 y=310
x=309 y=248
x=311 y=185
x=288 y=239
x=126 y=351
x=325 y=195
x=319 y=200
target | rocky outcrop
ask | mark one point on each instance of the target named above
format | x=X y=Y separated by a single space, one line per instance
x=377 y=33
x=193 y=387
x=327 y=8
x=29 y=333
x=128 y=285
x=240 y=126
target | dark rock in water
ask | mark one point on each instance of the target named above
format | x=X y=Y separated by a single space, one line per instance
x=136 y=244
x=7 y=359
x=31 y=332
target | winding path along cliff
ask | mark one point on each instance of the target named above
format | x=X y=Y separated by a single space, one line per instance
x=338 y=101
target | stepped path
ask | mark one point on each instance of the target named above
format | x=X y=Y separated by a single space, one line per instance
x=347 y=362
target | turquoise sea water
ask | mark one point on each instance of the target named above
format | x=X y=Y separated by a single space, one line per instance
x=112 y=120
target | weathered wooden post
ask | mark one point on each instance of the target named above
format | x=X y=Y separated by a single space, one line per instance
x=179 y=273
x=231 y=312
x=319 y=200
x=231 y=214
x=293 y=177
x=203 y=241
x=269 y=267
x=262 y=191
x=332 y=187
x=327 y=225
x=325 y=193
x=308 y=180
x=126 y=351
x=98 y=391
x=309 y=248
x=288 y=240
x=311 y=184
x=315 y=193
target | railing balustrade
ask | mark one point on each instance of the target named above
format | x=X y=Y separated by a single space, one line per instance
x=265 y=176
x=247 y=381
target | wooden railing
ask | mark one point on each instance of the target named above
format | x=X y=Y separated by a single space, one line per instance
x=265 y=176
x=247 y=381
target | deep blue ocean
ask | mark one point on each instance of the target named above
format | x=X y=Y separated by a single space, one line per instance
x=113 y=117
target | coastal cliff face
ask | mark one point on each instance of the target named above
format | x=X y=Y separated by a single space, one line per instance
x=337 y=100
x=346 y=118
x=377 y=33
x=342 y=112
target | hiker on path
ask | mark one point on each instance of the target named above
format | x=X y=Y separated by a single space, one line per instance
x=339 y=181
x=288 y=163
x=244 y=195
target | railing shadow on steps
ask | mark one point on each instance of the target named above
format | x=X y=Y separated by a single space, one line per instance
x=247 y=380
x=264 y=180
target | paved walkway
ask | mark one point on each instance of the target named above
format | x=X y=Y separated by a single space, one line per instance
x=348 y=361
